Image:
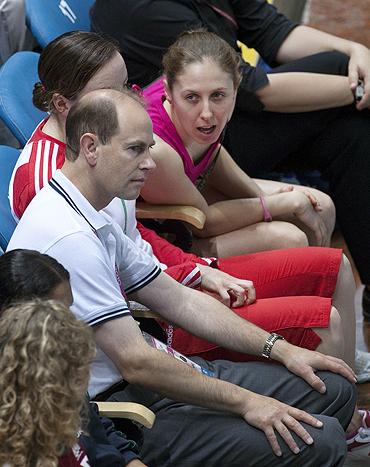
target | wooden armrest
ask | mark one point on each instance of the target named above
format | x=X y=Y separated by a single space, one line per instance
x=136 y=412
x=189 y=214
x=141 y=311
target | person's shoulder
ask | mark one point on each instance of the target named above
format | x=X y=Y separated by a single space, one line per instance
x=168 y=150
x=41 y=146
x=46 y=220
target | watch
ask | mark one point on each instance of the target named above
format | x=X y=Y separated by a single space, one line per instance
x=270 y=341
x=359 y=91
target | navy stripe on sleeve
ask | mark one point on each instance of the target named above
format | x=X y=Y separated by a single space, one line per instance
x=144 y=280
x=109 y=315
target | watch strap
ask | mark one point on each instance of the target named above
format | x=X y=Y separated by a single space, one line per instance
x=270 y=341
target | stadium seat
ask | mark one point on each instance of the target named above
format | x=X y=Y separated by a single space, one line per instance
x=48 y=19
x=8 y=158
x=17 y=77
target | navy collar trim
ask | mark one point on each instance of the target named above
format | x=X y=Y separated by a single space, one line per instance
x=61 y=191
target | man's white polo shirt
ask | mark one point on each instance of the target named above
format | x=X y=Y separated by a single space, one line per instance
x=60 y=222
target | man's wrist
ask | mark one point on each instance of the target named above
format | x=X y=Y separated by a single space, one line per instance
x=269 y=344
x=279 y=350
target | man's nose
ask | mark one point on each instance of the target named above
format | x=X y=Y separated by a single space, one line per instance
x=148 y=162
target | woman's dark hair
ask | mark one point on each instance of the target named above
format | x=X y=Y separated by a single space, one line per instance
x=26 y=274
x=68 y=62
x=196 y=46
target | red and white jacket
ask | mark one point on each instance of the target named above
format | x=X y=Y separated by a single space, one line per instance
x=76 y=457
x=40 y=158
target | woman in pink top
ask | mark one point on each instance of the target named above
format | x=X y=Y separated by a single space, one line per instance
x=190 y=108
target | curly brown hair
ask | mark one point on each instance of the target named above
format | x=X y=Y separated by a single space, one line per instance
x=44 y=366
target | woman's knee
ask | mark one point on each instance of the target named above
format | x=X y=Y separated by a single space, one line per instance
x=332 y=336
x=336 y=332
x=286 y=235
x=346 y=272
x=328 y=211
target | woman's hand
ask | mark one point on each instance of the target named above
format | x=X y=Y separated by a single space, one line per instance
x=232 y=291
x=313 y=200
x=305 y=208
x=282 y=189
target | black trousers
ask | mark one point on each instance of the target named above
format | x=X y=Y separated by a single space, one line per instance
x=334 y=141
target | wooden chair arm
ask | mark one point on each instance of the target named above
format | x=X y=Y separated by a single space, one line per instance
x=141 y=311
x=136 y=412
x=189 y=214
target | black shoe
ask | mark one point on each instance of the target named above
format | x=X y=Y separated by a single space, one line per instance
x=366 y=304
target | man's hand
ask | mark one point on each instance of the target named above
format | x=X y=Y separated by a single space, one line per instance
x=270 y=416
x=305 y=363
x=233 y=292
x=359 y=69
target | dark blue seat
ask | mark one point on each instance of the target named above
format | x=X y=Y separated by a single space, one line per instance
x=48 y=19
x=17 y=77
x=8 y=158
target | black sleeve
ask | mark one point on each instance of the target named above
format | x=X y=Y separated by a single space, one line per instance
x=253 y=79
x=105 y=446
x=261 y=26
x=144 y=29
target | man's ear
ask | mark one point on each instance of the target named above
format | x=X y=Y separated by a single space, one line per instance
x=167 y=91
x=61 y=104
x=89 y=144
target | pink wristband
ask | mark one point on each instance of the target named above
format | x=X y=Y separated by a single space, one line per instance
x=266 y=213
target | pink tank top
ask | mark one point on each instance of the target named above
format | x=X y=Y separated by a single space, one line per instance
x=165 y=129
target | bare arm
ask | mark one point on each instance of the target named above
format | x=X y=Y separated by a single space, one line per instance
x=169 y=184
x=184 y=307
x=304 y=41
x=140 y=364
x=304 y=92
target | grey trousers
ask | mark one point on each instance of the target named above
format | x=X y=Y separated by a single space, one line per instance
x=190 y=436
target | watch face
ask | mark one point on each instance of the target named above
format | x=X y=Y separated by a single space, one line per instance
x=359 y=91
